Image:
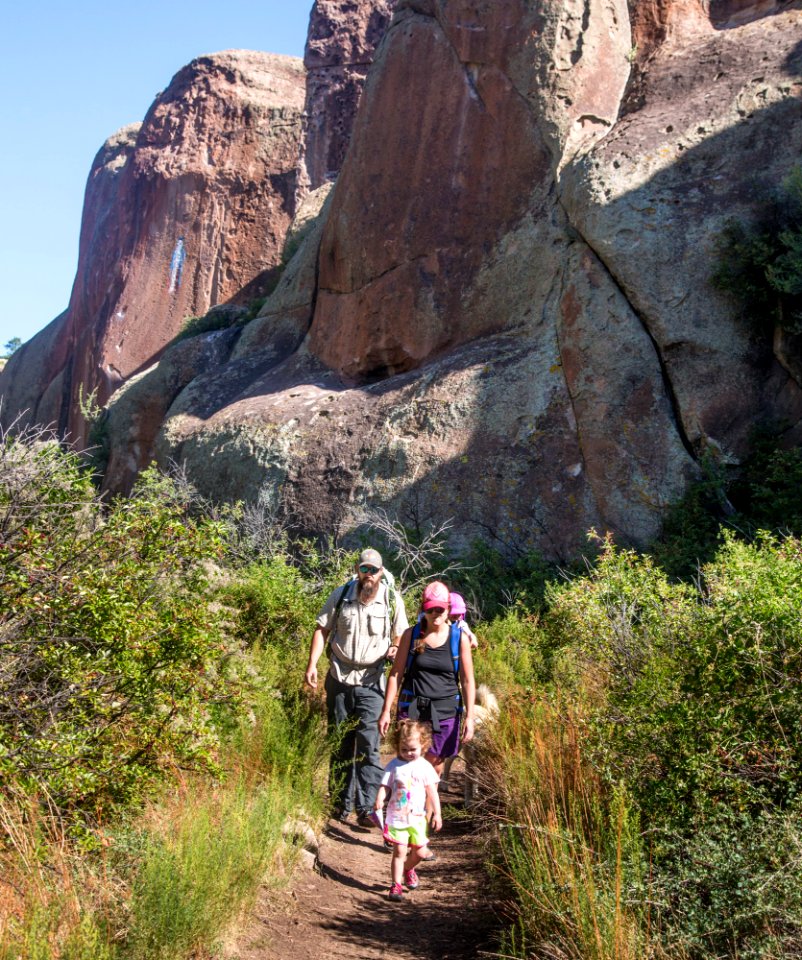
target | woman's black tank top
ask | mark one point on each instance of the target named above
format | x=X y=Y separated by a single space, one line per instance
x=431 y=675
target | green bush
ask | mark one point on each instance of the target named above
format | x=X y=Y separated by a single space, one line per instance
x=762 y=493
x=653 y=773
x=494 y=582
x=111 y=654
x=729 y=887
x=273 y=604
x=220 y=317
x=197 y=876
x=511 y=653
x=760 y=264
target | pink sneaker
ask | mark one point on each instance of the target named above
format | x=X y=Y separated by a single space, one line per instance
x=396 y=893
x=411 y=879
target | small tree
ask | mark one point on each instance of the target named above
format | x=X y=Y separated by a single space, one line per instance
x=760 y=263
x=11 y=347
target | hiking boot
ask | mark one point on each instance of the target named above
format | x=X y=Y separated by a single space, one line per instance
x=341 y=814
x=411 y=879
x=396 y=893
x=366 y=821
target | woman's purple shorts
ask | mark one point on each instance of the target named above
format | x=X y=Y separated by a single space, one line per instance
x=446 y=743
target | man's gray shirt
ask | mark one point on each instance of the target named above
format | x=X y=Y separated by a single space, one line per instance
x=360 y=638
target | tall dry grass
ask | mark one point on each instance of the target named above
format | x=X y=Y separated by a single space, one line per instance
x=171 y=881
x=54 y=900
x=571 y=857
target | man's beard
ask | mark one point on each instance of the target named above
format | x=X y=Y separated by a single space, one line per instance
x=366 y=590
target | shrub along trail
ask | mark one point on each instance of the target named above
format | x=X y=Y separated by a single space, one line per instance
x=341 y=909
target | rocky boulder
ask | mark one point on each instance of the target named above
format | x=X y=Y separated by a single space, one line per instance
x=503 y=314
x=512 y=320
x=343 y=36
x=188 y=210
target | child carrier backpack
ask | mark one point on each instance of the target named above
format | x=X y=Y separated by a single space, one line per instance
x=454 y=637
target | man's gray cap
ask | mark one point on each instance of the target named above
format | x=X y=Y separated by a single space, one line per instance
x=370 y=556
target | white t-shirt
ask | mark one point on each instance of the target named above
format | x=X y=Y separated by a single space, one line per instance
x=407 y=781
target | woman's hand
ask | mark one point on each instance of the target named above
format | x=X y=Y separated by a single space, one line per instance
x=468 y=730
x=384 y=722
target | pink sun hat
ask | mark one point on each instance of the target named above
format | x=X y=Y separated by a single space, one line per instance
x=458 y=608
x=435 y=595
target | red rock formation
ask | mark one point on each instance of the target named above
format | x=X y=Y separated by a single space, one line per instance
x=343 y=36
x=191 y=214
x=412 y=222
x=512 y=321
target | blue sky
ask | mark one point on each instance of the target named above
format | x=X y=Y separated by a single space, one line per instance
x=71 y=74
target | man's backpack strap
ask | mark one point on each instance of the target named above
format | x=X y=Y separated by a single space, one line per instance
x=339 y=605
x=336 y=615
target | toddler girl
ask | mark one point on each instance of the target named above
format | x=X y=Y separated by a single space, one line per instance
x=409 y=781
x=456 y=614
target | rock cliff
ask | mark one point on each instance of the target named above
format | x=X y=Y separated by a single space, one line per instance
x=187 y=210
x=503 y=312
x=342 y=39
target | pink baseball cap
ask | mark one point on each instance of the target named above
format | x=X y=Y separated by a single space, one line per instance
x=458 y=608
x=435 y=595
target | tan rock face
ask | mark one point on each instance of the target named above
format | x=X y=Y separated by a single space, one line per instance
x=518 y=253
x=343 y=36
x=720 y=114
x=188 y=211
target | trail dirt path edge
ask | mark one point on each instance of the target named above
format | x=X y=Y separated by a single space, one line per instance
x=340 y=911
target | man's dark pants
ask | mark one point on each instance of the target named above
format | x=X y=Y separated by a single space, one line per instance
x=356 y=770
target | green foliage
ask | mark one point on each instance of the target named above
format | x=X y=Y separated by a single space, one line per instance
x=760 y=264
x=11 y=347
x=763 y=493
x=692 y=526
x=495 y=582
x=111 y=655
x=770 y=494
x=218 y=318
x=690 y=698
x=273 y=604
x=254 y=307
x=295 y=239
x=571 y=852
x=731 y=886
x=197 y=875
x=512 y=652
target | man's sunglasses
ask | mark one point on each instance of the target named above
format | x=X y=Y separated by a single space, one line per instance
x=367 y=568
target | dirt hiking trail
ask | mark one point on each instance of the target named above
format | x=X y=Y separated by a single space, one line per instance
x=340 y=911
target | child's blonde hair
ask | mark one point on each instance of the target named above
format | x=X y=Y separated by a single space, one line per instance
x=407 y=729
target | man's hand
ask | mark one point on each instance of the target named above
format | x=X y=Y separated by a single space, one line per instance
x=319 y=638
x=392 y=650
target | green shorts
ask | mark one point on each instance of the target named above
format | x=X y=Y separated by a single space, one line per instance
x=412 y=835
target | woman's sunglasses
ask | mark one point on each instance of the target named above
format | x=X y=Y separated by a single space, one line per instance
x=435 y=611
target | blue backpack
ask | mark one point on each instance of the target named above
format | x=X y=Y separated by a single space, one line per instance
x=454 y=637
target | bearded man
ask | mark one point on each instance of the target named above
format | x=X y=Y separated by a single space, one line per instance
x=362 y=622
